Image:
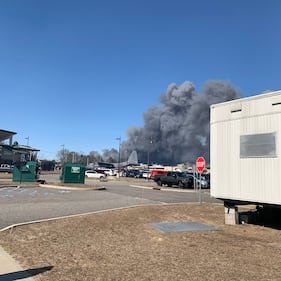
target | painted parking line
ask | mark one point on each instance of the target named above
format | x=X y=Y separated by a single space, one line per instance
x=22 y=190
x=6 y=196
x=33 y=193
x=63 y=191
x=10 y=192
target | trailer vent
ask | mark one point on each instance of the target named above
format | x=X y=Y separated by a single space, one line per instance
x=276 y=103
x=236 y=110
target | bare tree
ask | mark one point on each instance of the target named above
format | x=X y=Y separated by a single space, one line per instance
x=63 y=155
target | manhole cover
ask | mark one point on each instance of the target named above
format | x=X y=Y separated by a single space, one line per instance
x=181 y=226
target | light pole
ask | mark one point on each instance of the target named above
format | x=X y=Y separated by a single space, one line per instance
x=27 y=144
x=119 y=139
x=148 y=151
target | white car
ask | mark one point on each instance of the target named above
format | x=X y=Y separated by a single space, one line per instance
x=204 y=183
x=109 y=172
x=94 y=174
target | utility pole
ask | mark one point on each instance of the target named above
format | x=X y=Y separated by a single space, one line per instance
x=148 y=152
x=63 y=156
x=119 y=139
x=27 y=144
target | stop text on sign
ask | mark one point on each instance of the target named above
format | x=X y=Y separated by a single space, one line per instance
x=200 y=164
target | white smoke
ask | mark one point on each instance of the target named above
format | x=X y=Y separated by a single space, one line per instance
x=178 y=131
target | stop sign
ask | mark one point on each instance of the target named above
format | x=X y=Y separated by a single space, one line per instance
x=200 y=164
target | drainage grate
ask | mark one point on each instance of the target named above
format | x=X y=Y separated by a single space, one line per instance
x=181 y=226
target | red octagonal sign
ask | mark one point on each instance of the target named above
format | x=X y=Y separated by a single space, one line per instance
x=200 y=164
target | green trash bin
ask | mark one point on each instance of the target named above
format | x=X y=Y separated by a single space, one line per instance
x=24 y=172
x=73 y=173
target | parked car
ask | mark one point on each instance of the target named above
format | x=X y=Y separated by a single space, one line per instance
x=6 y=168
x=180 y=179
x=109 y=172
x=145 y=174
x=132 y=173
x=197 y=181
x=171 y=178
x=154 y=173
x=95 y=174
x=207 y=178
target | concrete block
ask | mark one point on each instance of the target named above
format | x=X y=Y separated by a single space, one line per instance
x=231 y=215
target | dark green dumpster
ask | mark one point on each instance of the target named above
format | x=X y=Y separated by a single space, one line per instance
x=24 y=172
x=73 y=173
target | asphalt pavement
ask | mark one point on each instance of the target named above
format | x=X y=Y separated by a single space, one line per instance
x=32 y=203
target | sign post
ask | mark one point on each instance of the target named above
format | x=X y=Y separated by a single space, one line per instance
x=200 y=167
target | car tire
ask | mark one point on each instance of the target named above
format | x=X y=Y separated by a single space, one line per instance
x=180 y=184
x=159 y=183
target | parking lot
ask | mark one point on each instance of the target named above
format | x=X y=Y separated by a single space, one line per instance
x=31 y=202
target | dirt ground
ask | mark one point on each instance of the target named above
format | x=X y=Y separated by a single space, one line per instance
x=121 y=245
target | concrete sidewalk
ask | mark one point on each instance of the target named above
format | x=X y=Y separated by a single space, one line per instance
x=10 y=269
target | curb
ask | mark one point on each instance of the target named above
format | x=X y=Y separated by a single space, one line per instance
x=10 y=227
x=72 y=187
x=161 y=188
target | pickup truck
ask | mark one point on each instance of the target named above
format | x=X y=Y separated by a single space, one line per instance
x=175 y=178
x=6 y=168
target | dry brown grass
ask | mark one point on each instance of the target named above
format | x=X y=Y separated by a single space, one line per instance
x=120 y=245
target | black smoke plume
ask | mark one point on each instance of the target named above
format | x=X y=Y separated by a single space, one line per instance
x=178 y=131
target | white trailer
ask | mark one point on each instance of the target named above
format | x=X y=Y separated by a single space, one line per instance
x=246 y=150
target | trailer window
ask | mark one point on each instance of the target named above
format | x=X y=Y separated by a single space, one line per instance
x=259 y=145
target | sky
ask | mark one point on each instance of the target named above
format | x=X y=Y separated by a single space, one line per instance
x=76 y=74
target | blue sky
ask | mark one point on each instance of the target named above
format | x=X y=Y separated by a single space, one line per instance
x=79 y=73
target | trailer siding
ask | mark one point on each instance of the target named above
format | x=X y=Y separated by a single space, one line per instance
x=251 y=179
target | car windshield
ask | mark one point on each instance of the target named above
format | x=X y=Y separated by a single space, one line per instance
x=185 y=175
